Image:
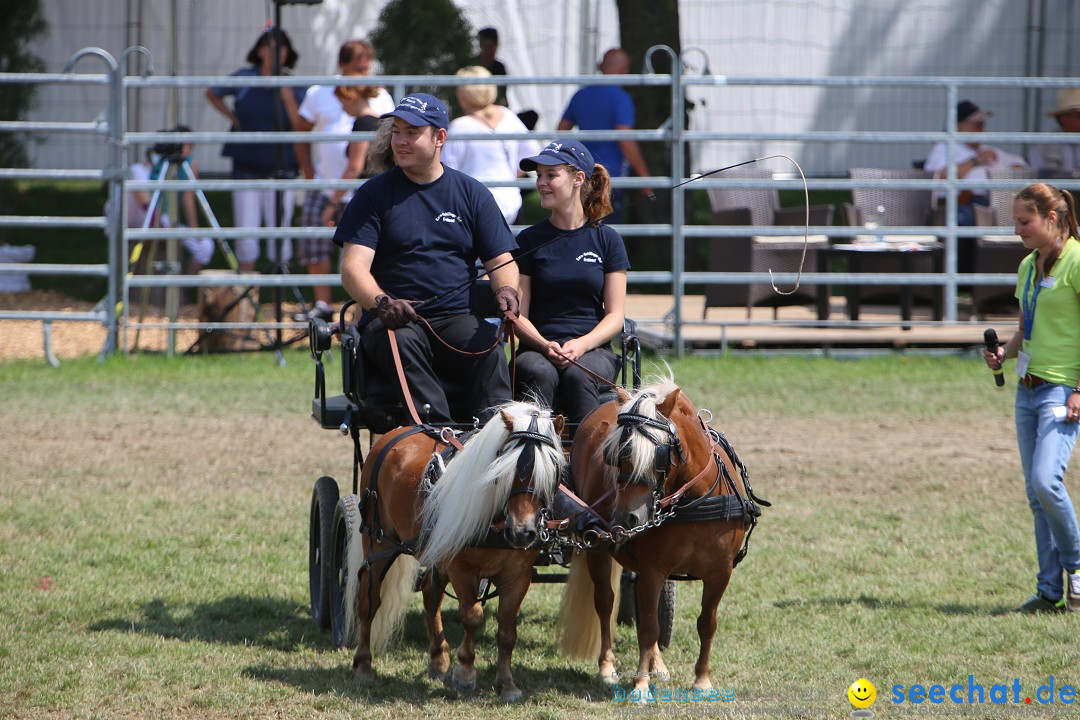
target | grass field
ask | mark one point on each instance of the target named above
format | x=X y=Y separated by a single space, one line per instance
x=153 y=530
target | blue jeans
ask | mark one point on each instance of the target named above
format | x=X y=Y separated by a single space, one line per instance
x=1045 y=445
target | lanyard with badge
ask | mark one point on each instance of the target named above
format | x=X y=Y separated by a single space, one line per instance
x=1023 y=359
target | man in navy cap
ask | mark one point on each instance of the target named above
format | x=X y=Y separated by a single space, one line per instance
x=972 y=159
x=411 y=239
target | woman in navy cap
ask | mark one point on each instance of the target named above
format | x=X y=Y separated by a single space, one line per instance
x=573 y=282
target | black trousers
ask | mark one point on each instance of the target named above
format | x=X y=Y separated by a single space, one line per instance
x=430 y=366
x=571 y=391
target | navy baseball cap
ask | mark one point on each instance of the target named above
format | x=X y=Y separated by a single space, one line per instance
x=421 y=109
x=561 y=152
x=967 y=110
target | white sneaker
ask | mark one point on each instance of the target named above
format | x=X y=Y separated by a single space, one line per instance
x=1072 y=590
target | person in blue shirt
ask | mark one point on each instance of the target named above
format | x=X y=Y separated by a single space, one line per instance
x=255 y=109
x=608 y=107
x=573 y=282
x=411 y=239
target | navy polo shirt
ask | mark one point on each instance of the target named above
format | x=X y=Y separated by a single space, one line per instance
x=567 y=276
x=427 y=238
x=255 y=108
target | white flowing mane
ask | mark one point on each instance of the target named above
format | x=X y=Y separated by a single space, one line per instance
x=476 y=484
x=639 y=449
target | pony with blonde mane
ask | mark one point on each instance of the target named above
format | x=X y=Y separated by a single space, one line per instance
x=676 y=501
x=483 y=518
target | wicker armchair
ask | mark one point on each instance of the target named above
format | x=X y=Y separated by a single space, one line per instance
x=898 y=207
x=760 y=206
x=891 y=208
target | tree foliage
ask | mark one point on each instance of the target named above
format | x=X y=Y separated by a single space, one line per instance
x=21 y=25
x=643 y=24
x=431 y=37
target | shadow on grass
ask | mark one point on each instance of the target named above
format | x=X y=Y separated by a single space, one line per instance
x=418 y=689
x=874 y=603
x=397 y=685
x=265 y=622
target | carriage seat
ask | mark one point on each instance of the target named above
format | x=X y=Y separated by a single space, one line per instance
x=372 y=400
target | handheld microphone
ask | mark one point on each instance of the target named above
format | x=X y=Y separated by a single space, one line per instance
x=991 y=339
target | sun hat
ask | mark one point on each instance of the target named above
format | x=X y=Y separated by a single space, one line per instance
x=1067 y=99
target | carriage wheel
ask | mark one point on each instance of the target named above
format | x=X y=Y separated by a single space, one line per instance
x=346 y=531
x=320 y=534
x=665 y=608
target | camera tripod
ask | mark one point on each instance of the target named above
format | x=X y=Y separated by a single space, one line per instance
x=173 y=163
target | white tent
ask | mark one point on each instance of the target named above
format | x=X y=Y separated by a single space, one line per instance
x=764 y=38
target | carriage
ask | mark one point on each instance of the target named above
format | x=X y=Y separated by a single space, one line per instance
x=370 y=401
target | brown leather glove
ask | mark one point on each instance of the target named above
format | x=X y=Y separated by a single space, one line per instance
x=506 y=298
x=394 y=313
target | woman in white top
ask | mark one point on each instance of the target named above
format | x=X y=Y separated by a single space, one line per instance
x=486 y=160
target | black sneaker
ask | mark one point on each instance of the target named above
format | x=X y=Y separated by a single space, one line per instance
x=1037 y=603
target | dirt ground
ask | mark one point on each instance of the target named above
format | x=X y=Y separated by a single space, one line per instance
x=24 y=339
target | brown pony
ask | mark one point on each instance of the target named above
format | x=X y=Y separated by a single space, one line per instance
x=505 y=476
x=664 y=485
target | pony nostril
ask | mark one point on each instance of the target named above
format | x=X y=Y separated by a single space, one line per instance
x=519 y=538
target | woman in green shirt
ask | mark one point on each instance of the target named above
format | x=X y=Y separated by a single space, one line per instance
x=1047 y=348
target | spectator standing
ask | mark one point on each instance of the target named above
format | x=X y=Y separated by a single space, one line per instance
x=488 y=40
x=356 y=101
x=1061 y=160
x=485 y=160
x=256 y=109
x=322 y=111
x=608 y=107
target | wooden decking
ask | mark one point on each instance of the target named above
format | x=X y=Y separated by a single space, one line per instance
x=797 y=326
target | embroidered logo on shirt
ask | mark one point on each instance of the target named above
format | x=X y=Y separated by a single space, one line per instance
x=447 y=217
x=588 y=257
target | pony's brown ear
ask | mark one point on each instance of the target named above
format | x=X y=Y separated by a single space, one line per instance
x=622 y=395
x=507 y=421
x=668 y=405
x=559 y=422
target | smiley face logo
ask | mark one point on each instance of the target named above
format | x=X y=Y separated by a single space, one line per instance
x=862 y=693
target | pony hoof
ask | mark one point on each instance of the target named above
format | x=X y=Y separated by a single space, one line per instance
x=364 y=678
x=462 y=686
x=514 y=696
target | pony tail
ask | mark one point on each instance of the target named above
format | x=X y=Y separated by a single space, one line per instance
x=596 y=195
x=1070 y=206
